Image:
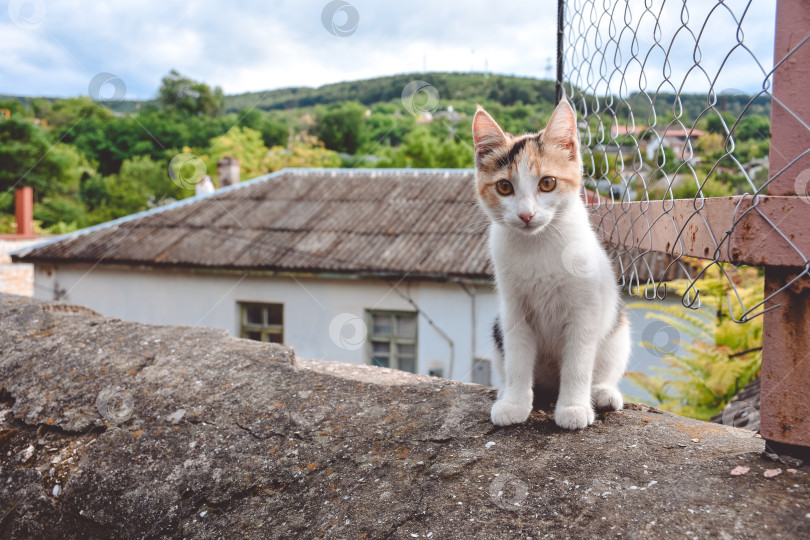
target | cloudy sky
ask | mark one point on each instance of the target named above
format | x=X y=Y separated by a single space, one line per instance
x=55 y=48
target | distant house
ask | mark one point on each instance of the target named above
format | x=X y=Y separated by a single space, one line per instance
x=680 y=140
x=386 y=267
x=451 y=114
x=19 y=278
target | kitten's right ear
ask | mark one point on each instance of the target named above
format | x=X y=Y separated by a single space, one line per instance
x=487 y=134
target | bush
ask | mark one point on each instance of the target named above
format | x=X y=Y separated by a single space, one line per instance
x=722 y=357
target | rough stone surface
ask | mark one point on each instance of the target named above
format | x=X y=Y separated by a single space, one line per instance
x=118 y=429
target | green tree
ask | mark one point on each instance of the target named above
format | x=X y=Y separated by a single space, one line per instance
x=141 y=184
x=753 y=126
x=153 y=176
x=710 y=144
x=26 y=158
x=16 y=109
x=712 y=187
x=386 y=127
x=421 y=149
x=64 y=113
x=185 y=95
x=55 y=171
x=714 y=123
x=342 y=127
x=667 y=161
x=252 y=118
x=303 y=151
x=274 y=132
x=244 y=144
x=454 y=154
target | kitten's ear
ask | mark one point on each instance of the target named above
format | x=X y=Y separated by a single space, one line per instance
x=487 y=134
x=561 y=130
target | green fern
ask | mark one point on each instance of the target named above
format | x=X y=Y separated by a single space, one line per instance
x=722 y=357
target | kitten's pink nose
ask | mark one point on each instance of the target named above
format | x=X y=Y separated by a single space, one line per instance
x=526 y=218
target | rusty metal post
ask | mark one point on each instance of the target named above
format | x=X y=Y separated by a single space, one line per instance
x=785 y=409
x=558 y=87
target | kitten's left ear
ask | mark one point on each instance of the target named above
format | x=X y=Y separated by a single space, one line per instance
x=561 y=130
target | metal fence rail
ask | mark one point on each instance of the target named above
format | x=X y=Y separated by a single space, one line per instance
x=644 y=76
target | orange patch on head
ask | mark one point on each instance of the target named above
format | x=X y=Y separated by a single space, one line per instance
x=554 y=162
x=486 y=192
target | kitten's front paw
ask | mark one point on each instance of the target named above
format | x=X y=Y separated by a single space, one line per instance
x=505 y=413
x=573 y=417
x=607 y=397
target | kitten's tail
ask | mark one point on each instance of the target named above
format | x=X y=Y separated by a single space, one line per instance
x=497 y=334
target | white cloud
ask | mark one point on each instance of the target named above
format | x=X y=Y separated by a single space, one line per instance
x=257 y=45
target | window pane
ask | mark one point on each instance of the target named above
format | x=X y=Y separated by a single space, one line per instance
x=254 y=315
x=381 y=325
x=381 y=347
x=254 y=335
x=406 y=326
x=381 y=361
x=275 y=314
x=407 y=363
x=406 y=350
x=274 y=338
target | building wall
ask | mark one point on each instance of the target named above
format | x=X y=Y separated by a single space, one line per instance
x=16 y=278
x=312 y=305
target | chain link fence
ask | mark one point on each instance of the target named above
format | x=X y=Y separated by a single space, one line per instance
x=673 y=99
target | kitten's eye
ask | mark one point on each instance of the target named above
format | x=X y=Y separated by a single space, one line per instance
x=504 y=187
x=547 y=183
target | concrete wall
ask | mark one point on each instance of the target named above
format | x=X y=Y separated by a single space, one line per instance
x=313 y=305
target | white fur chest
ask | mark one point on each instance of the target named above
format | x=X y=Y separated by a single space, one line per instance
x=533 y=275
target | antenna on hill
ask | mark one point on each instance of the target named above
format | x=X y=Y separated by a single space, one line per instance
x=549 y=67
x=424 y=63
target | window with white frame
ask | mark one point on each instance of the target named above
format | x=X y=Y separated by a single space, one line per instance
x=262 y=322
x=392 y=339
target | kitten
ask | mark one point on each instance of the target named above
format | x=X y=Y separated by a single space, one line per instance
x=562 y=328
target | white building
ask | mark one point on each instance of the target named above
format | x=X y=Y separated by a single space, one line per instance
x=387 y=267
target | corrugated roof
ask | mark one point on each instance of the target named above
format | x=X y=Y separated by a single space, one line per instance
x=419 y=223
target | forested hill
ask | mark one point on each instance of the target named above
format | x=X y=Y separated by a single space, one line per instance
x=504 y=89
x=482 y=87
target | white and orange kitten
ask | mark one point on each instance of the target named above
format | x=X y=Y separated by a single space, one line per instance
x=562 y=328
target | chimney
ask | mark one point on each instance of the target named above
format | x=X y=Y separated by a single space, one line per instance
x=24 y=209
x=228 y=170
